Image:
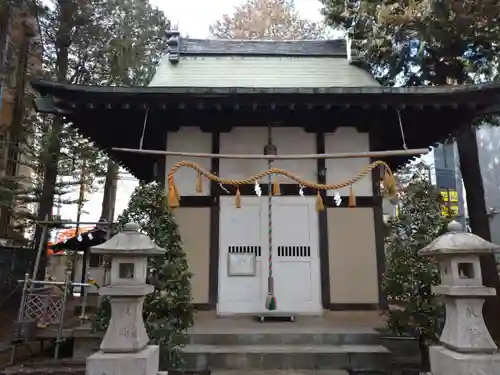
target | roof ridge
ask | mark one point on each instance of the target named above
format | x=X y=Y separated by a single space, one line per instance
x=266 y=40
x=179 y=46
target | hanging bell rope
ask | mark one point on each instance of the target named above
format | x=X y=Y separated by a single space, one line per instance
x=270 y=149
x=388 y=182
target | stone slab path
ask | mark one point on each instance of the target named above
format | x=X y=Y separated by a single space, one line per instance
x=279 y=372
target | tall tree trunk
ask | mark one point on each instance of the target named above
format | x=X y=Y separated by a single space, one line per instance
x=479 y=222
x=50 y=170
x=109 y=197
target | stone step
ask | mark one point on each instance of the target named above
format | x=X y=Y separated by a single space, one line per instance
x=273 y=336
x=358 y=358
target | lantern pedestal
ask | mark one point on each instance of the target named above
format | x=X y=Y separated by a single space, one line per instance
x=126 y=332
x=448 y=362
x=144 y=362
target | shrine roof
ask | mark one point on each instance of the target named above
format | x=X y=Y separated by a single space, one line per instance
x=221 y=63
x=114 y=117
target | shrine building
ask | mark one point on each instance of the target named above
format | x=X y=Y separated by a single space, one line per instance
x=221 y=97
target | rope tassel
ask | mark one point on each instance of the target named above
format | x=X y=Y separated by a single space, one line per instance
x=237 y=198
x=276 y=186
x=320 y=206
x=389 y=183
x=199 y=183
x=352 y=198
x=173 y=194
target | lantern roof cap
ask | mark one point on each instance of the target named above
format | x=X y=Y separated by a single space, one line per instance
x=457 y=242
x=129 y=242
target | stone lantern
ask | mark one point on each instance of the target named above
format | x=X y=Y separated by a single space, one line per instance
x=124 y=348
x=466 y=345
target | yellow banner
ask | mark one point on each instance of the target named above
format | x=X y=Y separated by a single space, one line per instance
x=451 y=211
x=452 y=196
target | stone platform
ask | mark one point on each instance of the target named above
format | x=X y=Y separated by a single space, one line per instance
x=334 y=343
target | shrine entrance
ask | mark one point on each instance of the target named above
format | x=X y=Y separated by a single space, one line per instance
x=243 y=262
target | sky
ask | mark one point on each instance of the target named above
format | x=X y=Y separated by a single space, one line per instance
x=194 y=16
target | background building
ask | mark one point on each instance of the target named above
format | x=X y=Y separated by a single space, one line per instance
x=488 y=142
x=20 y=60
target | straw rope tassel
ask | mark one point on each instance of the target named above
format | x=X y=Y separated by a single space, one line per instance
x=237 y=199
x=352 y=198
x=199 y=183
x=389 y=183
x=276 y=186
x=320 y=206
x=173 y=194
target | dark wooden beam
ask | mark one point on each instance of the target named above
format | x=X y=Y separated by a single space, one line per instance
x=197 y=201
x=211 y=201
x=324 y=248
x=248 y=190
x=160 y=162
x=213 y=283
x=378 y=220
x=353 y=307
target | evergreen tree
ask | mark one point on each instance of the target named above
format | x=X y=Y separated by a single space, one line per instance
x=92 y=42
x=169 y=311
x=408 y=278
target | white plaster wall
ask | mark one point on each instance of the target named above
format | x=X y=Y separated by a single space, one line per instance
x=189 y=139
x=252 y=140
x=347 y=139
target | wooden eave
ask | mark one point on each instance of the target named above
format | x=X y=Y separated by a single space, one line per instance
x=115 y=116
x=63 y=98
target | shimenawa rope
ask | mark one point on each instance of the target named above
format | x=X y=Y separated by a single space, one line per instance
x=388 y=181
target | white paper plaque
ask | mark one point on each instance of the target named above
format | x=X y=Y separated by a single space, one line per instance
x=241 y=265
